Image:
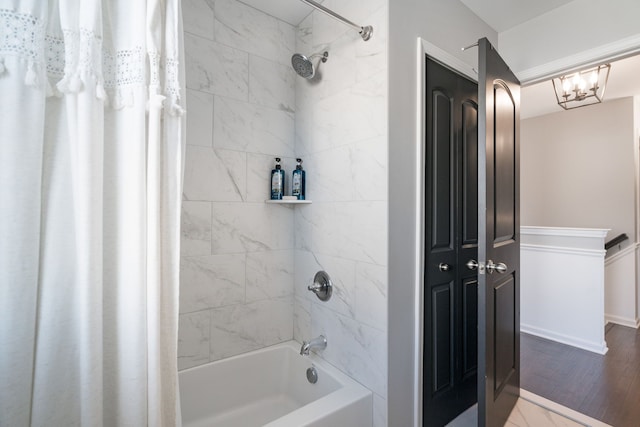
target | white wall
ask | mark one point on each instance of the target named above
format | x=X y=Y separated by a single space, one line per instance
x=579 y=32
x=562 y=288
x=450 y=26
x=236 y=278
x=578 y=169
x=341 y=134
x=621 y=288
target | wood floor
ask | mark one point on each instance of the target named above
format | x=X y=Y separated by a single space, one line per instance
x=606 y=387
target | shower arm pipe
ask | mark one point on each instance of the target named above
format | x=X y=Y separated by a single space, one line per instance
x=365 y=32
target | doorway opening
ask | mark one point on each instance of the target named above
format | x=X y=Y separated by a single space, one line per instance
x=606 y=138
x=451 y=245
x=469 y=314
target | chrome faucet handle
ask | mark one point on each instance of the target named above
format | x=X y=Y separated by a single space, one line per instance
x=315 y=288
x=322 y=286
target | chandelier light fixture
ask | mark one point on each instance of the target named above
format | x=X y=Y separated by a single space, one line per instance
x=582 y=88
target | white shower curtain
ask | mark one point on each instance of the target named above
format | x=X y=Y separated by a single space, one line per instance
x=91 y=148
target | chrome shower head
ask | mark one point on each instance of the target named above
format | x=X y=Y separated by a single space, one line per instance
x=304 y=67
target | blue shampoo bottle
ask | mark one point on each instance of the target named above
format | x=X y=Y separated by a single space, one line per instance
x=277 y=181
x=298 y=181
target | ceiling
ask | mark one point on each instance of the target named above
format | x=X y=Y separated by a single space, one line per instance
x=539 y=99
x=501 y=15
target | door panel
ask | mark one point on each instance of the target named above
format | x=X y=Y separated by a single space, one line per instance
x=442 y=171
x=442 y=312
x=505 y=330
x=498 y=239
x=504 y=149
x=470 y=328
x=470 y=173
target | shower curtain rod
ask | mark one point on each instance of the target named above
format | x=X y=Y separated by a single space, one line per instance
x=365 y=32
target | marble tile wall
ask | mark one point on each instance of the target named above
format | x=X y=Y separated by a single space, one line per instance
x=341 y=133
x=236 y=279
x=246 y=264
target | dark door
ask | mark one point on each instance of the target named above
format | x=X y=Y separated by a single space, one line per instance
x=499 y=239
x=451 y=238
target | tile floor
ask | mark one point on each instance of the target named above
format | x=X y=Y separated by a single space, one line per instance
x=532 y=410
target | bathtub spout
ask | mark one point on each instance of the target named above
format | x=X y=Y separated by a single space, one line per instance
x=319 y=343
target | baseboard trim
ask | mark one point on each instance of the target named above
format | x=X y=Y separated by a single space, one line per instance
x=600 y=348
x=622 y=321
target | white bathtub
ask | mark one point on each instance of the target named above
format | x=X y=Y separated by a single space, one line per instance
x=269 y=387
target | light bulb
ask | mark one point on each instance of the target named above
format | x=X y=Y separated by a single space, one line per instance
x=594 y=81
x=576 y=80
x=566 y=85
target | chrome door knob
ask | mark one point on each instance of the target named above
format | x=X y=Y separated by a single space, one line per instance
x=444 y=267
x=472 y=264
x=499 y=267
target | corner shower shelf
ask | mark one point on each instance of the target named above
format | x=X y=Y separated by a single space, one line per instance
x=289 y=202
